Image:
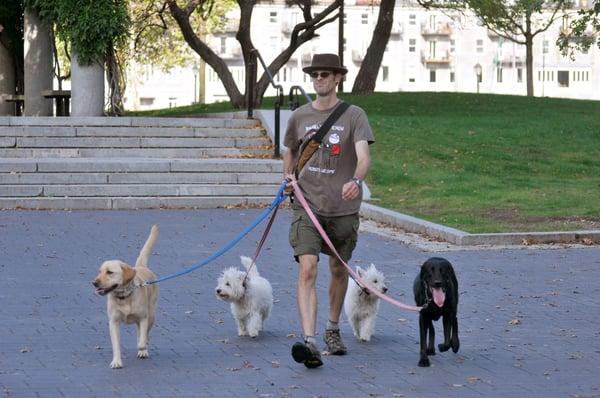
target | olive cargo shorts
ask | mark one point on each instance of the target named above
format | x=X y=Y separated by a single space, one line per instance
x=342 y=231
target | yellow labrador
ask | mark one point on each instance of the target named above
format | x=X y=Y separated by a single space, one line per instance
x=128 y=300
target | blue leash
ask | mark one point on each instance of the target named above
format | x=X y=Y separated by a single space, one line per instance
x=279 y=198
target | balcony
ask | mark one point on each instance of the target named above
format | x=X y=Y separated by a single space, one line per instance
x=228 y=27
x=509 y=61
x=232 y=53
x=492 y=35
x=439 y=58
x=357 y=56
x=397 y=29
x=287 y=28
x=439 y=29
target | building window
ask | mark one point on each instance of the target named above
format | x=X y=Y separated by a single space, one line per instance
x=451 y=77
x=499 y=75
x=345 y=18
x=452 y=45
x=432 y=76
x=412 y=19
x=364 y=19
x=432 y=49
x=479 y=46
x=545 y=46
x=412 y=44
x=519 y=75
x=273 y=16
x=563 y=78
x=432 y=22
x=146 y=101
x=223 y=45
x=411 y=79
x=385 y=73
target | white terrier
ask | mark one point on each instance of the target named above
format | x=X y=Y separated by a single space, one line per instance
x=360 y=305
x=251 y=297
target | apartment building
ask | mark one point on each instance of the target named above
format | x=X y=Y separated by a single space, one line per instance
x=428 y=50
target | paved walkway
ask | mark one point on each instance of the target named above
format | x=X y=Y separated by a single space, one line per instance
x=526 y=316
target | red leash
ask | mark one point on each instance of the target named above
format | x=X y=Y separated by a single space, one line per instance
x=262 y=240
x=300 y=196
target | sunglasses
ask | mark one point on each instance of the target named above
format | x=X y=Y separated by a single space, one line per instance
x=324 y=75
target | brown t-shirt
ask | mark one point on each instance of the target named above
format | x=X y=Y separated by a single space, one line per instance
x=334 y=163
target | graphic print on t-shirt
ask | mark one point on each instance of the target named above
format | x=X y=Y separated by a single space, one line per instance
x=325 y=159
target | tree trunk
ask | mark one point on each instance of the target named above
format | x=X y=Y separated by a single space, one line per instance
x=219 y=66
x=7 y=81
x=367 y=75
x=529 y=64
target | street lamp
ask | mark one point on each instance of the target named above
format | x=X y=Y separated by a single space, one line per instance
x=477 y=68
x=195 y=70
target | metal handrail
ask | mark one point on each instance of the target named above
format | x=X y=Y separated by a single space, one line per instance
x=251 y=70
x=294 y=103
x=254 y=54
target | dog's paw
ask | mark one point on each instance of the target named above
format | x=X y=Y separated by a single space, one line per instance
x=443 y=347
x=116 y=364
x=455 y=346
x=143 y=354
x=424 y=362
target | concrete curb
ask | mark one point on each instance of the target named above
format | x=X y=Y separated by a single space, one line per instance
x=458 y=237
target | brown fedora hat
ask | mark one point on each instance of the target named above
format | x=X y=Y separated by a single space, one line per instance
x=325 y=62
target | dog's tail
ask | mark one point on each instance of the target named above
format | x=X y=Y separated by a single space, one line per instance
x=247 y=263
x=142 y=260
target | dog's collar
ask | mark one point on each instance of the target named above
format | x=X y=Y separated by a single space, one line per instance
x=126 y=291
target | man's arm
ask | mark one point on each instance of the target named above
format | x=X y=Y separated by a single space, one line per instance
x=351 y=190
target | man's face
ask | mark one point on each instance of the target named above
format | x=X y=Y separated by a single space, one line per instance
x=325 y=81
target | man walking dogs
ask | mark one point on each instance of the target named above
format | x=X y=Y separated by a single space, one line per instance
x=331 y=179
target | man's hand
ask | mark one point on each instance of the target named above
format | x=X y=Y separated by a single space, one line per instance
x=289 y=189
x=350 y=190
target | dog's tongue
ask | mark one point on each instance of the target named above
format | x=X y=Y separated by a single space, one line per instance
x=438 y=296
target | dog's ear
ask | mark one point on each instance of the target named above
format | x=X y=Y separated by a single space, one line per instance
x=359 y=271
x=128 y=273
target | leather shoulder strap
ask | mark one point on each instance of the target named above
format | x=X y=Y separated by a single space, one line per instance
x=333 y=117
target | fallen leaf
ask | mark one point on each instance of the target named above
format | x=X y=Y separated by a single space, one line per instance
x=515 y=322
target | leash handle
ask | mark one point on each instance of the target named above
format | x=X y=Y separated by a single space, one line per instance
x=300 y=196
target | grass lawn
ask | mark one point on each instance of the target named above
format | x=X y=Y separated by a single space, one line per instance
x=484 y=163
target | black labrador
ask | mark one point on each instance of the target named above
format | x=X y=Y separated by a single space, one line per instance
x=436 y=290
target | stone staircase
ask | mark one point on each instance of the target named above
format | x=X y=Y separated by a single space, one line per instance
x=134 y=162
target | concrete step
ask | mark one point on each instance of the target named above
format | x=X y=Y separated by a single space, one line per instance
x=210 y=122
x=129 y=165
x=126 y=190
x=134 y=142
x=138 y=178
x=129 y=203
x=186 y=153
x=128 y=131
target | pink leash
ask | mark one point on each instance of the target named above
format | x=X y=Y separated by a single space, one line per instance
x=300 y=196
